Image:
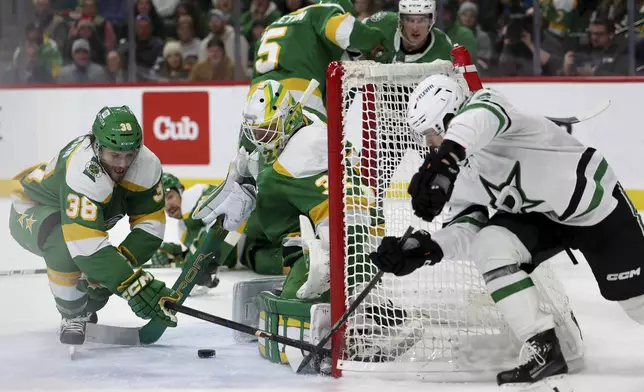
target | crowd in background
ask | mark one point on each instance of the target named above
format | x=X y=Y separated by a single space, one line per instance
x=80 y=41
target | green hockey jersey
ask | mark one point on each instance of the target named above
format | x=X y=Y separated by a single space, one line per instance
x=299 y=46
x=90 y=204
x=439 y=45
x=562 y=15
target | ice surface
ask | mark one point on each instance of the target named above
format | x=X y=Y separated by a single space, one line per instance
x=31 y=358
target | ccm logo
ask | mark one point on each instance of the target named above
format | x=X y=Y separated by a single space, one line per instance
x=185 y=129
x=137 y=286
x=623 y=275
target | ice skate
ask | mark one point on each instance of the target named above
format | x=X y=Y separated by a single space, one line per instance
x=543 y=359
x=72 y=330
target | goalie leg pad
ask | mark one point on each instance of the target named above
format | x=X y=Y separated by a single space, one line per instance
x=285 y=317
x=498 y=253
x=246 y=303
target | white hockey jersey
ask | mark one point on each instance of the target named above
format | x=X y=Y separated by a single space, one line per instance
x=520 y=163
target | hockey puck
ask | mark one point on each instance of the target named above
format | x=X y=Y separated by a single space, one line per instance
x=206 y=353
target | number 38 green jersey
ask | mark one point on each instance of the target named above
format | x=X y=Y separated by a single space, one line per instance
x=87 y=203
x=299 y=46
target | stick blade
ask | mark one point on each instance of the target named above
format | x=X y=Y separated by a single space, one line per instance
x=107 y=334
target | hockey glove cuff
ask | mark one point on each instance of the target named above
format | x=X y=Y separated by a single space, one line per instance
x=146 y=296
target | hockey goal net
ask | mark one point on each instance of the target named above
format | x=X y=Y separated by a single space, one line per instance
x=451 y=329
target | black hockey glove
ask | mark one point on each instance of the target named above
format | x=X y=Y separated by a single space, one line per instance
x=403 y=259
x=431 y=187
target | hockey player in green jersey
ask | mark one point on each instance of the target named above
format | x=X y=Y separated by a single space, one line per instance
x=290 y=200
x=62 y=209
x=299 y=46
x=410 y=35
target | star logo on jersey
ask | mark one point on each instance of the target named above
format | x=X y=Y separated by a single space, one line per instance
x=29 y=222
x=21 y=220
x=509 y=195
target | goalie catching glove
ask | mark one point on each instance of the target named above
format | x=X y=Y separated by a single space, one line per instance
x=146 y=296
x=403 y=259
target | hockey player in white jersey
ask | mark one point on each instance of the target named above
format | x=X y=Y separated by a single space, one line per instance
x=549 y=191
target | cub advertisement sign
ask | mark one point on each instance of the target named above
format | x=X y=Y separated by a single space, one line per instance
x=176 y=126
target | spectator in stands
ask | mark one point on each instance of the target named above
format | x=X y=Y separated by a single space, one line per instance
x=518 y=49
x=63 y=6
x=225 y=6
x=467 y=17
x=364 y=9
x=259 y=10
x=562 y=16
x=48 y=54
x=166 y=8
x=85 y=29
x=458 y=34
x=225 y=33
x=217 y=66
x=188 y=8
x=147 y=9
x=115 y=11
x=82 y=70
x=148 y=48
x=28 y=68
x=604 y=56
x=171 y=68
x=53 y=25
x=190 y=45
x=114 y=70
x=256 y=34
x=102 y=27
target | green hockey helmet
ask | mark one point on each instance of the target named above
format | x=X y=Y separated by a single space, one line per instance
x=118 y=129
x=171 y=182
x=347 y=5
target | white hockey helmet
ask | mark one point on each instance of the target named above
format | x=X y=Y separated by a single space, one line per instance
x=434 y=102
x=417 y=7
x=270 y=116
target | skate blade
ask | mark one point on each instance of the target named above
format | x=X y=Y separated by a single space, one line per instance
x=558 y=383
x=72 y=352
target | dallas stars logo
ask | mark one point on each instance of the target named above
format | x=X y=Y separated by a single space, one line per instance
x=27 y=222
x=509 y=196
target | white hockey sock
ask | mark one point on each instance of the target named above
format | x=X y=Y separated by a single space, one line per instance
x=517 y=298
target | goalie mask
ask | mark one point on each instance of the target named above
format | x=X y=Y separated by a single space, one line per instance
x=433 y=104
x=415 y=21
x=270 y=117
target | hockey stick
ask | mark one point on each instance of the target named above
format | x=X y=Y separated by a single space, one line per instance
x=24 y=272
x=343 y=319
x=302 y=345
x=192 y=269
x=586 y=116
x=40 y=271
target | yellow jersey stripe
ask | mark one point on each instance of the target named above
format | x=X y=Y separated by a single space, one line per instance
x=78 y=232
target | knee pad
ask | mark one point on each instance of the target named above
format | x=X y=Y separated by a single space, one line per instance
x=495 y=247
x=634 y=308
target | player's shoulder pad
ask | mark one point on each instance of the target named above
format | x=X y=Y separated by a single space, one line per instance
x=440 y=35
x=84 y=174
x=306 y=153
x=144 y=173
x=189 y=199
x=381 y=17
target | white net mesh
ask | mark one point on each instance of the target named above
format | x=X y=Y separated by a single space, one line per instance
x=449 y=324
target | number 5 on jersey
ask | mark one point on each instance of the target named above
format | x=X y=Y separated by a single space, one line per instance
x=269 y=51
x=81 y=205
